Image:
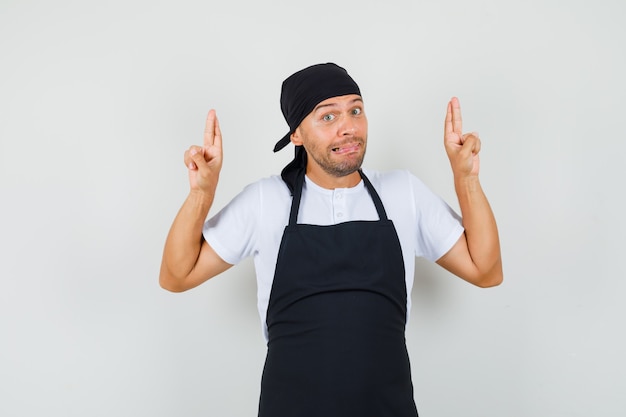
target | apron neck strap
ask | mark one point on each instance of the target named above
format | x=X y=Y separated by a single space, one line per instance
x=297 y=196
x=382 y=214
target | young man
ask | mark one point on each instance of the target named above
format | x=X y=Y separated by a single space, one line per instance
x=333 y=247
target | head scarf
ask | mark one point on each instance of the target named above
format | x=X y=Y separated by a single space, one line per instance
x=300 y=93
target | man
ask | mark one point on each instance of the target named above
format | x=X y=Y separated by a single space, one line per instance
x=333 y=250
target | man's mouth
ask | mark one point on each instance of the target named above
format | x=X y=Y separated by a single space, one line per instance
x=347 y=148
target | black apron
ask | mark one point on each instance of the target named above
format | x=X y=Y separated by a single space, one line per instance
x=336 y=321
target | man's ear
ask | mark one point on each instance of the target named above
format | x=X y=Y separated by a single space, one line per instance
x=295 y=137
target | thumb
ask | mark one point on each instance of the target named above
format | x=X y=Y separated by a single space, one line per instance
x=197 y=157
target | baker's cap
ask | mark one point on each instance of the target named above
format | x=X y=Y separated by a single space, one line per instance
x=305 y=89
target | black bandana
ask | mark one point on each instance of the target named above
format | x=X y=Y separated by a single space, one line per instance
x=301 y=92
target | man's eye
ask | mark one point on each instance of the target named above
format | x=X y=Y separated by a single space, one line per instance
x=357 y=111
x=328 y=117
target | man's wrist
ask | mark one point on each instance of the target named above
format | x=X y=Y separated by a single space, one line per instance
x=467 y=183
x=201 y=198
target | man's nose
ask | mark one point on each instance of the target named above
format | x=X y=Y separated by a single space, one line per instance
x=347 y=126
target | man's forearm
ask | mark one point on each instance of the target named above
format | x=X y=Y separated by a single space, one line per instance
x=184 y=240
x=480 y=228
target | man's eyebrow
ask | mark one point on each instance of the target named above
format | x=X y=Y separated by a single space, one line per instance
x=321 y=106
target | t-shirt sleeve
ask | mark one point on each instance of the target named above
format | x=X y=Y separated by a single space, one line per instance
x=232 y=231
x=439 y=226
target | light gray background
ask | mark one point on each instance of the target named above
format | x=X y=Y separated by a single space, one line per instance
x=99 y=100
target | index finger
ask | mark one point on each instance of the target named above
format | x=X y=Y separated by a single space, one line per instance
x=454 y=121
x=212 y=133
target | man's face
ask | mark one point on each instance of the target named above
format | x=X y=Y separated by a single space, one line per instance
x=334 y=136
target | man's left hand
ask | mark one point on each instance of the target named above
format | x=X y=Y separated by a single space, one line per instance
x=462 y=149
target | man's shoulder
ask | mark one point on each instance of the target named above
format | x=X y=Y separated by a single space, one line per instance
x=256 y=199
x=391 y=178
x=272 y=187
x=397 y=184
x=272 y=181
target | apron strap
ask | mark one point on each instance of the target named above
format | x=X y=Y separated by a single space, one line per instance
x=382 y=214
x=297 y=194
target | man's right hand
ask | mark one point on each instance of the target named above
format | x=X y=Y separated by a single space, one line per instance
x=188 y=260
x=205 y=162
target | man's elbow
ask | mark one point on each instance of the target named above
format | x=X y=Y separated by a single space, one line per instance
x=169 y=286
x=172 y=287
x=491 y=279
x=169 y=282
x=489 y=283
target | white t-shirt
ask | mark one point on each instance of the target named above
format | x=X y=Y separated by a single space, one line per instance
x=252 y=224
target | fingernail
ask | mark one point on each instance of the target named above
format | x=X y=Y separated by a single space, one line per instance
x=194 y=151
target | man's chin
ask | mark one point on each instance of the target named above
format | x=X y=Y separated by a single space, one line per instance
x=346 y=168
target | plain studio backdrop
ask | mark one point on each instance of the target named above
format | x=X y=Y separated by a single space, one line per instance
x=99 y=100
